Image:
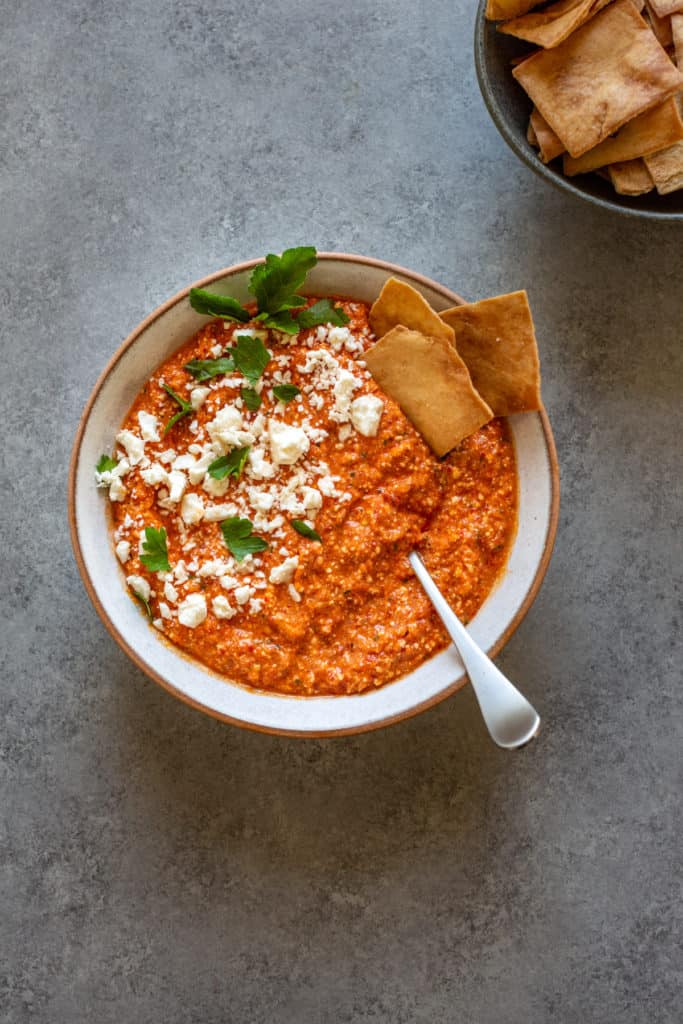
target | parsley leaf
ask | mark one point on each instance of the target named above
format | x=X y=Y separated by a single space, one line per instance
x=250 y=355
x=282 y=321
x=251 y=398
x=144 y=602
x=322 y=312
x=223 y=306
x=155 y=552
x=275 y=282
x=305 y=530
x=106 y=464
x=239 y=539
x=229 y=465
x=205 y=369
x=286 y=392
x=185 y=408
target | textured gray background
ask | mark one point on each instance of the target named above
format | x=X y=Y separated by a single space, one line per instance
x=159 y=866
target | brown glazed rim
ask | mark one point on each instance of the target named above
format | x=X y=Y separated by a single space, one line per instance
x=392 y=268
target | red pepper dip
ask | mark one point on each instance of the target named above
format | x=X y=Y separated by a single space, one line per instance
x=328 y=605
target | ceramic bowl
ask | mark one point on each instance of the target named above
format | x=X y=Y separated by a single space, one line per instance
x=149 y=345
x=510 y=107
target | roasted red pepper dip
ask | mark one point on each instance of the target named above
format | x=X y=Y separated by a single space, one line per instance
x=337 y=616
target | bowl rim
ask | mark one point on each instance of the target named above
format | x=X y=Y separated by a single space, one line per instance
x=559 y=181
x=149 y=670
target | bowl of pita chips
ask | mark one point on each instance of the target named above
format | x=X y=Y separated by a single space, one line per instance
x=589 y=94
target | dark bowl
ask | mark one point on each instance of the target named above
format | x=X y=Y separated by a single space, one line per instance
x=510 y=107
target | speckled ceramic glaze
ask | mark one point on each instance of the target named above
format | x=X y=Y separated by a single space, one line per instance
x=510 y=107
x=151 y=343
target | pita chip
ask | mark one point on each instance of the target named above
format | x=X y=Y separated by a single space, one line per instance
x=553 y=24
x=548 y=142
x=654 y=130
x=400 y=303
x=630 y=177
x=677 y=33
x=431 y=383
x=531 y=136
x=607 y=72
x=501 y=10
x=660 y=26
x=666 y=169
x=663 y=8
x=496 y=340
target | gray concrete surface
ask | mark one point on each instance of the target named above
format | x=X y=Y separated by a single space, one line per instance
x=157 y=866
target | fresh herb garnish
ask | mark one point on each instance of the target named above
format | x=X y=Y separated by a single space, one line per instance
x=223 y=306
x=185 y=408
x=239 y=539
x=322 y=312
x=229 y=465
x=106 y=464
x=305 y=530
x=250 y=355
x=275 y=282
x=205 y=369
x=286 y=392
x=144 y=602
x=155 y=552
x=251 y=398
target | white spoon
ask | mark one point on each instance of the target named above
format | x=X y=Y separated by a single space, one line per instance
x=509 y=717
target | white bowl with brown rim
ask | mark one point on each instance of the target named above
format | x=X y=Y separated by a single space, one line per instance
x=153 y=341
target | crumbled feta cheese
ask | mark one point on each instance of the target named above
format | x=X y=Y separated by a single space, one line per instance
x=180 y=572
x=287 y=443
x=198 y=396
x=139 y=586
x=260 y=500
x=185 y=461
x=154 y=475
x=197 y=471
x=192 y=509
x=343 y=390
x=192 y=611
x=366 y=412
x=284 y=573
x=117 y=491
x=243 y=594
x=216 y=513
x=227 y=429
x=326 y=486
x=259 y=465
x=177 y=482
x=170 y=592
x=312 y=499
x=345 y=432
x=134 y=446
x=222 y=608
x=149 y=426
x=255 y=605
x=228 y=582
x=216 y=488
x=167 y=456
x=294 y=593
x=123 y=551
x=164 y=610
x=338 y=336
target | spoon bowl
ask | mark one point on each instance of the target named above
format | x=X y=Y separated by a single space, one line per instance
x=510 y=719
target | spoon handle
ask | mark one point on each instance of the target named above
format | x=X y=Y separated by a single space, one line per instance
x=509 y=717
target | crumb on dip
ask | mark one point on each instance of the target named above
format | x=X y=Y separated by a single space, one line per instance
x=328 y=605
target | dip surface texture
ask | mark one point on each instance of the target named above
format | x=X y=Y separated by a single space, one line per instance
x=304 y=617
